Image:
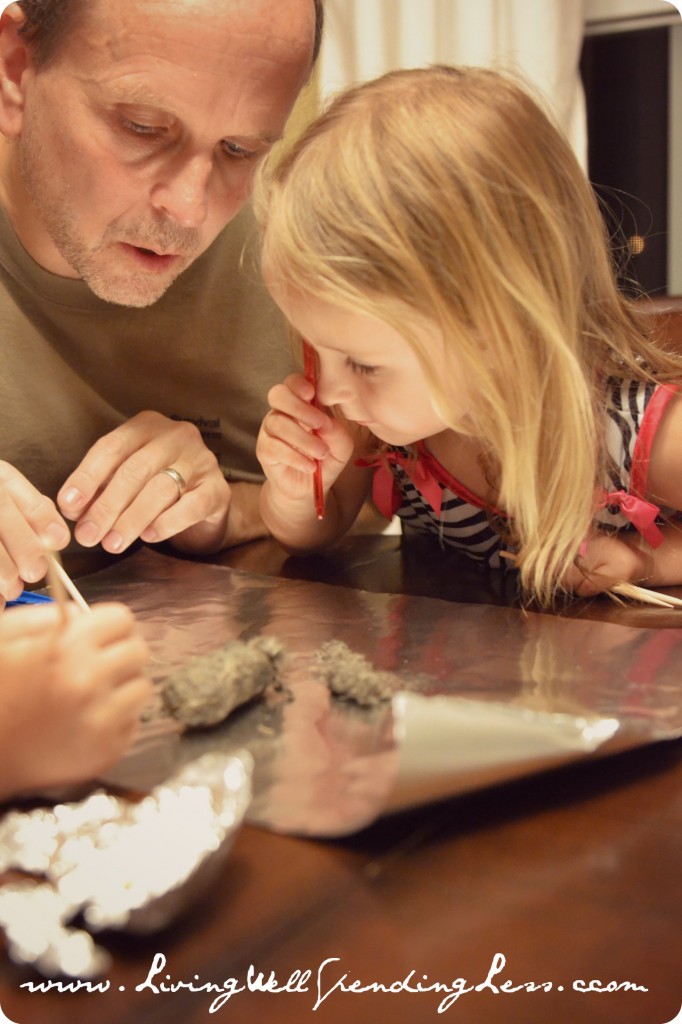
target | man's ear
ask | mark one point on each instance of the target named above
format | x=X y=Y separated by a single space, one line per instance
x=15 y=59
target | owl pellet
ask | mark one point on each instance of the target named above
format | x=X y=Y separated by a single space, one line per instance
x=205 y=690
x=351 y=677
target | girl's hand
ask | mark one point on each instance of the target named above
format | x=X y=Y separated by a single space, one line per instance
x=609 y=559
x=70 y=694
x=295 y=434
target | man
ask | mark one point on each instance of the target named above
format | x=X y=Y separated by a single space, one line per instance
x=132 y=129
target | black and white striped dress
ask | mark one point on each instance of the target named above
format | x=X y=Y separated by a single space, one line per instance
x=414 y=487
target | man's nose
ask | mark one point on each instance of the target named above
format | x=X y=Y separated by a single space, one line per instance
x=182 y=194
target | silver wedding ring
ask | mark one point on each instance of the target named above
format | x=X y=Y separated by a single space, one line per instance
x=177 y=478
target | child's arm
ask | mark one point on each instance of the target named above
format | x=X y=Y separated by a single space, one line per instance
x=609 y=559
x=70 y=695
x=294 y=434
x=626 y=558
x=664 y=482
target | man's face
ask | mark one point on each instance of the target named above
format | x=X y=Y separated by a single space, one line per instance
x=139 y=141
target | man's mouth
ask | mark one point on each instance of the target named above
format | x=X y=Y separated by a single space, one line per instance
x=153 y=252
x=149 y=258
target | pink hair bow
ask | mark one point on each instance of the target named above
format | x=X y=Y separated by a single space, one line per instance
x=642 y=514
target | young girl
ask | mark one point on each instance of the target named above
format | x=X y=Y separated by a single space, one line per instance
x=435 y=240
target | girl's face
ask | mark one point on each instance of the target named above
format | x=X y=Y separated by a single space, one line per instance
x=369 y=371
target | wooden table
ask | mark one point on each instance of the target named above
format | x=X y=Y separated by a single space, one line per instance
x=569 y=878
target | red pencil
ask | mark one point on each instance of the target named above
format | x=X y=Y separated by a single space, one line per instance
x=310 y=372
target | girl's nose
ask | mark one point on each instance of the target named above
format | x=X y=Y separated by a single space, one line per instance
x=333 y=387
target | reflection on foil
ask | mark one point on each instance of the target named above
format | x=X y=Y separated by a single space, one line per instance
x=114 y=862
x=325 y=768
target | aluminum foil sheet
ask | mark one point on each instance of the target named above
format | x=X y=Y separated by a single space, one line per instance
x=479 y=694
x=516 y=692
x=114 y=862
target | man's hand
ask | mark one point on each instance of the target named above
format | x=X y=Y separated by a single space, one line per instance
x=29 y=522
x=122 y=490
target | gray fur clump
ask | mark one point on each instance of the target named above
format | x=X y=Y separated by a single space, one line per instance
x=351 y=677
x=205 y=690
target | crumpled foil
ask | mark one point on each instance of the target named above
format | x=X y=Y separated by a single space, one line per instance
x=117 y=862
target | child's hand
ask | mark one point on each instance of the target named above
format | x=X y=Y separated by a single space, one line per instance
x=70 y=695
x=609 y=559
x=295 y=434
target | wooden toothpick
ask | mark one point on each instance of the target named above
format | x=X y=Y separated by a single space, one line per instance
x=645 y=595
x=61 y=584
x=630 y=591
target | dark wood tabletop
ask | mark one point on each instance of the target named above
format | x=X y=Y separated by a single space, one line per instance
x=551 y=900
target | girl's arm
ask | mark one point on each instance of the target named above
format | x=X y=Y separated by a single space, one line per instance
x=665 y=489
x=70 y=694
x=664 y=478
x=626 y=557
x=293 y=436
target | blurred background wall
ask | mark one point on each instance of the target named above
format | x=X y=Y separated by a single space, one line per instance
x=611 y=72
x=540 y=38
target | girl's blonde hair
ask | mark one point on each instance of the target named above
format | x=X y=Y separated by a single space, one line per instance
x=449 y=192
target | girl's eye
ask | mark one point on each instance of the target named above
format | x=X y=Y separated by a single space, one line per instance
x=361 y=367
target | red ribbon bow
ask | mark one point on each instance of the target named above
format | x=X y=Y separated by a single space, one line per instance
x=642 y=514
x=385 y=490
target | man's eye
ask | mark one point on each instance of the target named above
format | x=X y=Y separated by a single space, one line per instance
x=237 y=152
x=147 y=130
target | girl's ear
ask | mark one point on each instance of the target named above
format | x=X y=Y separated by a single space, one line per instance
x=15 y=59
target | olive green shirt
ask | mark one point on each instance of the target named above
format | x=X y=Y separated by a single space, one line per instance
x=74 y=367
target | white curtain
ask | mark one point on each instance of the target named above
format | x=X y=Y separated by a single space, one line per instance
x=539 y=38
